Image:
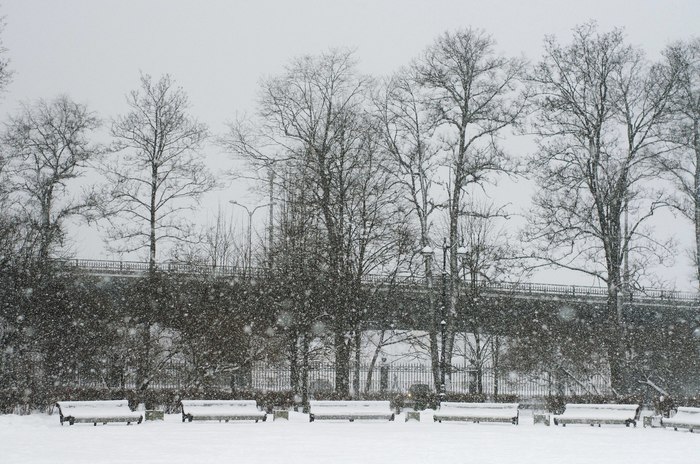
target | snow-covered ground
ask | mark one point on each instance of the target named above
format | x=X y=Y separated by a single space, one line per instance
x=40 y=438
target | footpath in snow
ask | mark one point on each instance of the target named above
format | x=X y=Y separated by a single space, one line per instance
x=39 y=438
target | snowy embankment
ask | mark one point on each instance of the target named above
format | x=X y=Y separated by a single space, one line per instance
x=41 y=439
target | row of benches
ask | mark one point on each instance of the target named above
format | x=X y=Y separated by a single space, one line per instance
x=224 y=410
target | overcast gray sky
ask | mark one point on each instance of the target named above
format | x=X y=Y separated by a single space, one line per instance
x=93 y=50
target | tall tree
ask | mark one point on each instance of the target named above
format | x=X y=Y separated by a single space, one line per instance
x=160 y=173
x=314 y=122
x=598 y=105
x=46 y=146
x=299 y=276
x=413 y=162
x=487 y=255
x=683 y=131
x=472 y=94
x=5 y=71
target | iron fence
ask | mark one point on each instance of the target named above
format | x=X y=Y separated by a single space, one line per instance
x=391 y=377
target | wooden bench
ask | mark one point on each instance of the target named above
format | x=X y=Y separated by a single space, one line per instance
x=478 y=412
x=685 y=418
x=97 y=412
x=350 y=410
x=597 y=414
x=221 y=410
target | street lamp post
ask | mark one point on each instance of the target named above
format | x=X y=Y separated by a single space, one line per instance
x=250 y=228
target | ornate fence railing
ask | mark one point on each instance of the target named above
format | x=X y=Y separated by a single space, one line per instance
x=521 y=289
x=393 y=377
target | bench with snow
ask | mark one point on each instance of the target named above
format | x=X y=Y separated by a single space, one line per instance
x=350 y=410
x=596 y=414
x=685 y=418
x=221 y=410
x=97 y=412
x=478 y=412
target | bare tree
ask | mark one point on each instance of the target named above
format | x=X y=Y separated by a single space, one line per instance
x=5 y=72
x=217 y=245
x=487 y=255
x=598 y=105
x=160 y=173
x=314 y=123
x=683 y=131
x=472 y=94
x=413 y=163
x=46 y=146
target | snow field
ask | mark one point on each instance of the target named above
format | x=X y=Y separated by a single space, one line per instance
x=40 y=438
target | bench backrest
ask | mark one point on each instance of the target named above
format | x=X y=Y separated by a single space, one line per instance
x=601 y=407
x=684 y=412
x=479 y=406
x=602 y=411
x=219 y=404
x=93 y=405
x=351 y=406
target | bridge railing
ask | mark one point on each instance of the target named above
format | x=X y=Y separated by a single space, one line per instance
x=138 y=267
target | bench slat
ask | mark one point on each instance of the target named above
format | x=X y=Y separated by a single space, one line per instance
x=95 y=412
x=685 y=418
x=597 y=414
x=350 y=410
x=478 y=412
x=221 y=410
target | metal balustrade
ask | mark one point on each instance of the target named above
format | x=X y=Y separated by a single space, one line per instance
x=127 y=268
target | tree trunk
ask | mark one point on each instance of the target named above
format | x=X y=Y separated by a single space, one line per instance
x=342 y=362
x=495 y=353
x=358 y=357
x=305 y=370
x=294 y=361
x=152 y=230
x=373 y=362
x=696 y=145
x=615 y=341
x=433 y=325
